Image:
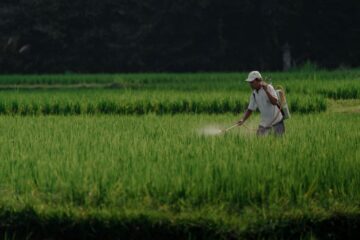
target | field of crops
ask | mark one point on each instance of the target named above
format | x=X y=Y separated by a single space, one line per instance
x=130 y=160
x=124 y=102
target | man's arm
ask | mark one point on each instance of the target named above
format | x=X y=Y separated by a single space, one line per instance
x=246 y=116
x=272 y=98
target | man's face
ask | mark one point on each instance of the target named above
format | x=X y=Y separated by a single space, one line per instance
x=255 y=84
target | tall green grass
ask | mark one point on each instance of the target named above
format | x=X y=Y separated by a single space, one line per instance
x=144 y=164
x=117 y=161
x=156 y=79
x=306 y=81
x=340 y=84
x=123 y=102
x=129 y=161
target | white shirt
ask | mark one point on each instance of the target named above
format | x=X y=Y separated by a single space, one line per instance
x=270 y=114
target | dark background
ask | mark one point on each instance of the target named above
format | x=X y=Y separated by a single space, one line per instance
x=56 y=36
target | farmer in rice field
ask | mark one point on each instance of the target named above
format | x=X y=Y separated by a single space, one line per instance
x=265 y=99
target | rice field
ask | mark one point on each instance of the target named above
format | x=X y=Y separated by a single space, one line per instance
x=144 y=174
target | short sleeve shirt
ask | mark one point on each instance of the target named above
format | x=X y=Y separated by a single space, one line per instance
x=269 y=113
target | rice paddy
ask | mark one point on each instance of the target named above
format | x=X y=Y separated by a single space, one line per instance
x=139 y=159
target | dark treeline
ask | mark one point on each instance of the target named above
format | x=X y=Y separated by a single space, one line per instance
x=179 y=35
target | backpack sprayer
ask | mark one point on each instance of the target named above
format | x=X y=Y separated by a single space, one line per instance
x=282 y=102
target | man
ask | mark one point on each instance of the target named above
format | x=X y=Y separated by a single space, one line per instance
x=265 y=99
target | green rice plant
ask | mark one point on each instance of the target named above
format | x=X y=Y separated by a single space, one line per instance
x=77 y=109
x=35 y=107
x=91 y=108
x=140 y=102
x=3 y=108
x=46 y=108
x=26 y=109
x=161 y=162
x=306 y=82
x=350 y=92
x=305 y=104
x=14 y=108
x=56 y=108
x=220 y=93
x=106 y=107
x=154 y=167
x=68 y=108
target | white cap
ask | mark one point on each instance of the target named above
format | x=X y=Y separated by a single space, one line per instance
x=253 y=75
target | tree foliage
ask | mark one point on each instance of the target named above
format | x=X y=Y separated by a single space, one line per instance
x=161 y=35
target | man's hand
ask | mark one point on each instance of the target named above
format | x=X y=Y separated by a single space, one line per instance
x=264 y=85
x=240 y=122
x=272 y=98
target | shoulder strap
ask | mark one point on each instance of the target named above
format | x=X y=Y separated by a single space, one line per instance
x=278 y=105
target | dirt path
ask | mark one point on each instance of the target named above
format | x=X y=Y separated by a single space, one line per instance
x=344 y=106
x=67 y=86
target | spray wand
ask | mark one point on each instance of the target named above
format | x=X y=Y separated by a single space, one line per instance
x=229 y=128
